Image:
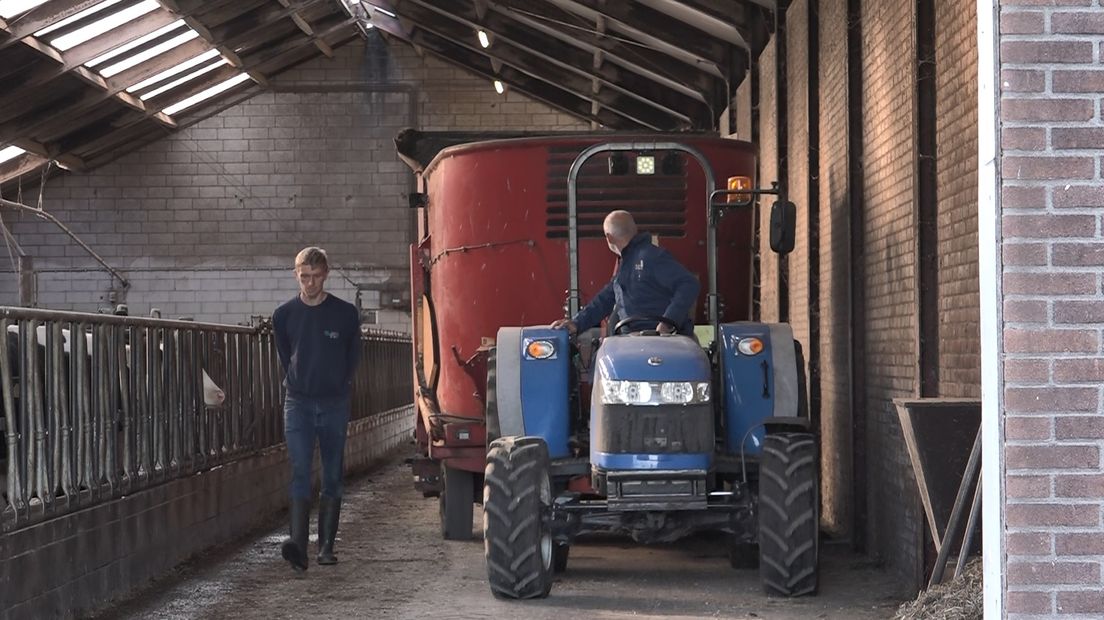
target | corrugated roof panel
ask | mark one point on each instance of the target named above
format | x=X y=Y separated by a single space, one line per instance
x=72 y=19
x=119 y=51
x=187 y=78
x=11 y=8
x=207 y=94
x=109 y=22
x=10 y=152
x=168 y=73
x=156 y=50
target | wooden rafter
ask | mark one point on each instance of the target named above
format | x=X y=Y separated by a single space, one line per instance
x=572 y=68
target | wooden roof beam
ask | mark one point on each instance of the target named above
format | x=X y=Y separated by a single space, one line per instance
x=44 y=16
x=680 y=42
x=697 y=15
x=549 y=91
x=86 y=75
x=569 y=72
x=204 y=33
x=306 y=28
x=268 y=55
x=659 y=68
x=67 y=161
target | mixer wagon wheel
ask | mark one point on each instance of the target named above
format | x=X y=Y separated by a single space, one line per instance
x=743 y=555
x=559 y=557
x=517 y=536
x=789 y=522
x=455 y=503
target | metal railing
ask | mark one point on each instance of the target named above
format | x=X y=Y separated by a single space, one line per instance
x=98 y=406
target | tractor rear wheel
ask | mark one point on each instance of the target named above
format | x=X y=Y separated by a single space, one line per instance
x=789 y=520
x=517 y=537
x=455 y=503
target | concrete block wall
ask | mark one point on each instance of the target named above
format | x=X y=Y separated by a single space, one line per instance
x=956 y=169
x=1052 y=208
x=207 y=221
x=835 y=274
x=889 y=165
x=72 y=565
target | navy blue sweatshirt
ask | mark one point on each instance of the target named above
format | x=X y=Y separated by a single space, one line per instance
x=649 y=282
x=319 y=346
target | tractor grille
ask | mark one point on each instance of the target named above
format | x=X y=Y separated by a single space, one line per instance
x=657 y=201
x=664 y=429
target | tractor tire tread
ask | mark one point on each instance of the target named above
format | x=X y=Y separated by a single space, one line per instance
x=788 y=518
x=512 y=519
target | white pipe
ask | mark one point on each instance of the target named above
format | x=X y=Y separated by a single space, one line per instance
x=989 y=270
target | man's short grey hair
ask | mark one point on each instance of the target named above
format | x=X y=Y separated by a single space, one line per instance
x=313 y=257
x=620 y=225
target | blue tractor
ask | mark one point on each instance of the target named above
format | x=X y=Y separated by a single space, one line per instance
x=680 y=435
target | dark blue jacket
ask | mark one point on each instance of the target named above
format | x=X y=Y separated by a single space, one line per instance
x=319 y=346
x=649 y=282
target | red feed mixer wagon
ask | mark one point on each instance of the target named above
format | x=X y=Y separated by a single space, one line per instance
x=492 y=251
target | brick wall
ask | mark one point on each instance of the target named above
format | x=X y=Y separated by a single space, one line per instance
x=797 y=169
x=834 y=273
x=1052 y=203
x=888 y=75
x=742 y=110
x=206 y=222
x=956 y=170
x=768 y=172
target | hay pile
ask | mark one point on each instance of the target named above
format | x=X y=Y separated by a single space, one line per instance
x=960 y=599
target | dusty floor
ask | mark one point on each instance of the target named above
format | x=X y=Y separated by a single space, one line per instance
x=395 y=565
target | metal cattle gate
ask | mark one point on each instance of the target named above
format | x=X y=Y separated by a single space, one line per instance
x=99 y=406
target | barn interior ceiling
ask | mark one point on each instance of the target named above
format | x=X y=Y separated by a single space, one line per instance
x=86 y=81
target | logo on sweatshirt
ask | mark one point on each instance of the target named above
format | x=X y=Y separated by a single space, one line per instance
x=331 y=334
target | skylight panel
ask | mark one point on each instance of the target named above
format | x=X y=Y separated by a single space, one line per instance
x=9 y=153
x=171 y=85
x=143 y=56
x=11 y=8
x=373 y=7
x=206 y=94
x=77 y=17
x=184 y=66
x=101 y=26
x=160 y=32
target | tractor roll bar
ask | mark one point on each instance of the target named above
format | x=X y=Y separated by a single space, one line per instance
x=573 y=227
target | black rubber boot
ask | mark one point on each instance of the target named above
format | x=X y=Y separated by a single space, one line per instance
x=329 y=510
x=294 y=548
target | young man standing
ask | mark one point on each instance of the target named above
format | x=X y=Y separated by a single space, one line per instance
x=318 y=341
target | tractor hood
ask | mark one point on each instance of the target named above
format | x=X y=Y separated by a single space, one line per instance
x=652 y=358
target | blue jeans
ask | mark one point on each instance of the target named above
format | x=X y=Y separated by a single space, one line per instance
x=306 y=419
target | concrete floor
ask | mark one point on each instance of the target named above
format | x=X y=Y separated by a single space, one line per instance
x=394 y=564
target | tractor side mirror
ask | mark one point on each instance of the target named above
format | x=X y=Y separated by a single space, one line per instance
x=783 y=232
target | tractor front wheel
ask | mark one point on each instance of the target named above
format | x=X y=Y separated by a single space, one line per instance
x=789 y=518
x=517 y=537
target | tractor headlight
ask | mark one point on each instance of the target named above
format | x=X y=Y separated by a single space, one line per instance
x=654 y=393
x=677 y=392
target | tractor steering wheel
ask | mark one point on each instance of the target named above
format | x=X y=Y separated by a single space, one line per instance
x=623 y=323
